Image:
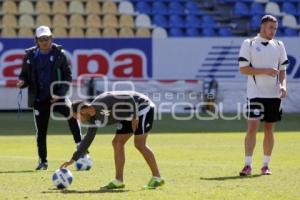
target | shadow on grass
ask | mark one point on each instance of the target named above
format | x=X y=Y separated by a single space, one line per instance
x=16 y=172
x=224 y=178
x=84 y=191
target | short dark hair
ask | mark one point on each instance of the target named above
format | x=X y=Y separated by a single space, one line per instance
x=79 y=104
x=267 y=18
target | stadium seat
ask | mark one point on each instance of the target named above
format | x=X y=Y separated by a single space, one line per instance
x=76 y=32
x=26 y=20
x=9 y=7
x=43 y=19
x=208 y=21
x=126 y=32
x=76 y=20
x=160 y=20
x=225 y=32
x=192 y=21
x=92 y=7
x=126 y=7
x=76 y=7
x=191 y=7
x=159 y=32
x=273 y=8
x=142 y=21
x=42 y=7
x=298 y=10
x=208 y=32
x=8 y=32
x=59 y=7
x=92 y=32
x=60 y=20
x=176 y=32
x=126 y=21
x=109 y=33
x=290 y=32
x=9 y=20
x=26 y=7
x=110 y=20
x=289 y=21
x=159 y=8
x=143 y=32
x=25 y=32
x=257 y=9
x=241 y=9
x=109 y=7
x=192 y=32
x=93 y=21
x=261 y=1
x=60 y=32
x=289 y=8
x=255 y=22
x=176 y=21
x=143 y=7
x=175 y=8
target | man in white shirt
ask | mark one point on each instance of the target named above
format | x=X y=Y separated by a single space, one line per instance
x=264 y=60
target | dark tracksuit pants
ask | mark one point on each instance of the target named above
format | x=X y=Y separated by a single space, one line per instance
x=41 y=115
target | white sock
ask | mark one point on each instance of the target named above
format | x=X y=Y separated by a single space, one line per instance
x=156 y=177
x=266 y=160
x=248 y=160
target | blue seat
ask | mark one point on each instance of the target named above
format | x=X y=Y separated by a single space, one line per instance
x=176 y=32
x=208 y=21
x=225 y=32
x=279 y=32
x=289 y=8
x=257 y=9
x=143 y=7
x=160 y=20
x=298 y=11
x=159 y=8
x=291 y=32
x=192 y=32
x=192 y=7
x=241 y=9
x=176 y=21
x=192 y=21
x=207 y=32
x=176 y=8
x=255 y=22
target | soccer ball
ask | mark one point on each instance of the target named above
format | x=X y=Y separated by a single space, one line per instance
x=62 y=178
x=84 y=163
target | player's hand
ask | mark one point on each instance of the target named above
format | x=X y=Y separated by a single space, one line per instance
x=20 y=83
x=54 y=99
x=283 y=92
x=66 y=164
x=272 y=72
x=134 y=124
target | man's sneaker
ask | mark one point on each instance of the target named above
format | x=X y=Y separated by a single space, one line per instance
x=114 y=184
x=154 y=183
x=246 y=171
x=266 y=171
x=42 y=166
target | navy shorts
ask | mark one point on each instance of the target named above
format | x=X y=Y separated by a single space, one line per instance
x=145 y=124
x=265 y=109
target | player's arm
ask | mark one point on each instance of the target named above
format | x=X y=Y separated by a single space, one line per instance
x=282 y=67
x=135 y=118
x=23 y=77
x=82 y=148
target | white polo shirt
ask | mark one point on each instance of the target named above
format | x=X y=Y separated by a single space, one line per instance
x=258 y=52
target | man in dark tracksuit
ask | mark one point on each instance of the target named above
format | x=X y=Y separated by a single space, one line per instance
x=42 y=65
x=134 y=113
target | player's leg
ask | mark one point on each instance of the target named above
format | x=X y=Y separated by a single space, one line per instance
x=41 y=114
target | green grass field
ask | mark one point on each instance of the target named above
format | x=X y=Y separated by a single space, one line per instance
x=199 y=160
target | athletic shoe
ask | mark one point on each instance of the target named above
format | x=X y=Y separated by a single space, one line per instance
x=154 y=183
x=114 y=184
x=246 y=171
x=42 y=166
x=266 y=171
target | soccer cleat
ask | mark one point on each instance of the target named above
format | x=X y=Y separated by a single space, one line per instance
x=42 y=166
x=266 y=171
x=246 y=171
x=114 y=184
x=154 y=183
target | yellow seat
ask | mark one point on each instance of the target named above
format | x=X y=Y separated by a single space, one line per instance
x=93 y=32
x=59 y=7
x=109 y=7
x=126 y=21
x=26 y=20
x=92 y=7
x=60 y=20
x=93 y=20
x=8 y=32
x=76 y=20
x=9 y=7
x=109 y=32
x=42 y=7
x=26 y=7
x=76 y=7
x=76 y=32
x=9 y=20
x=60 y=32
x=110 y=20
x=143 y=32
x=25 y=32
x=43 y=20
x=126 y=32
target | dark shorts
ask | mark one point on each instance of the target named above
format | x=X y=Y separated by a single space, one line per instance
x=265 y=109
x=145 y=124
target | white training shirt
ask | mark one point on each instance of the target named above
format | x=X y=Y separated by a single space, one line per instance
x=258 y=52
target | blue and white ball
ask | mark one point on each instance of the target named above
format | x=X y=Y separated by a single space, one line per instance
x=84 y=163
x=62 y=178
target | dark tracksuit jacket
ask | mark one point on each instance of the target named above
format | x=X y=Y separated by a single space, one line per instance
x=112 y=107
